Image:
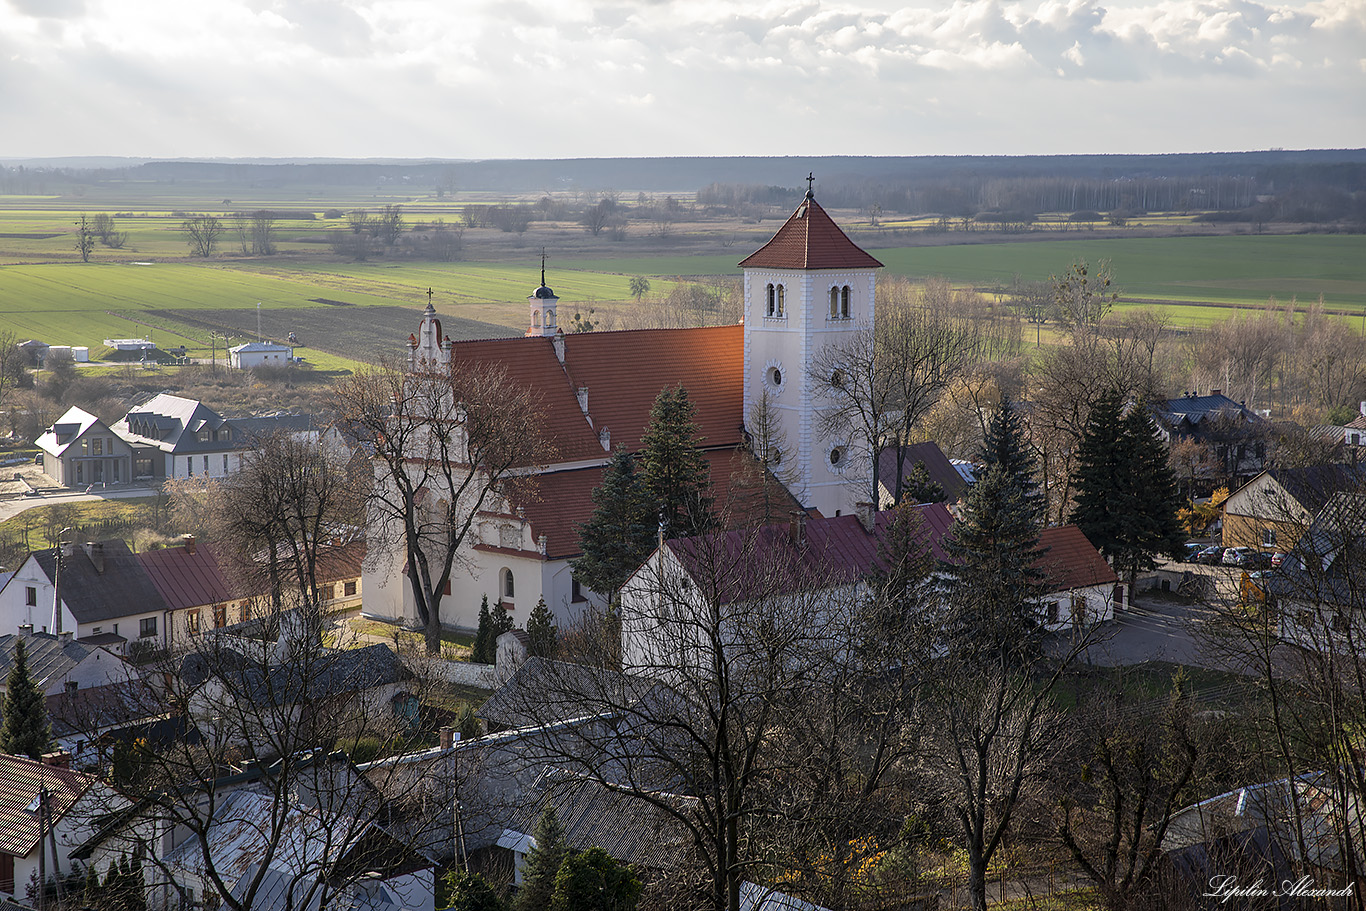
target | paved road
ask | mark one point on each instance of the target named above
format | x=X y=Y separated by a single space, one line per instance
x=12 y=507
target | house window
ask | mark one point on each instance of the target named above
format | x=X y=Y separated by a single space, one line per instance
x=31 y=596
x=575 y=590
x=204 y=436
x=142 y=468
x=80 y=472
x=772 y=300
x=509 y=589
x=1268 y=537
x=206 y=464
x=189 y=466
x=191 y=623
x=6 y=873
x=225 y=463
x=97 y=446
x=147 y=627
x=1054 y=611
x=1356 y=439
x=225 y=434
x=348 y=588
x=220 y=616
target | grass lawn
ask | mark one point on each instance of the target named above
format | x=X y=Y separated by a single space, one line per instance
x=454 y=646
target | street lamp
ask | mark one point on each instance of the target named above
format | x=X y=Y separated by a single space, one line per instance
x=57 y=586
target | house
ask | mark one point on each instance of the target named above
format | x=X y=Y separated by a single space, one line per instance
x=62 y=664
x=1236 y=435
x=79 y=449
x=1272 y=510
x=106 y=596
x=809 y=287
x=260 y=354
x=937 y=465
x=162 y=598
x=832 y=558
x=1317 y=589
x=175 y=437
x=46 y=812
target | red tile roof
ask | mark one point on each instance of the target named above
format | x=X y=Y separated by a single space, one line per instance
x=564 y=499
x=187 y=579
x=1070 y=561
x=624 y=372
x=810 y=239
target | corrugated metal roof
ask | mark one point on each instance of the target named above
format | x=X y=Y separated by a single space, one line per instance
x=21 y=782
x=48 y=657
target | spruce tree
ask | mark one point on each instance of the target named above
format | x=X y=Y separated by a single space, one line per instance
x=675 y=472
x=593 y=880
x=542 y=863
x=1127 y=497
x=542 y=637
x=1004 y=445
x=919 y=487
x=484 y=650
x=993 y=585
x=471 y=892
x=622 y=530
x=26 y=730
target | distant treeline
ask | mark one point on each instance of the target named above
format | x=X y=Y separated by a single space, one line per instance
x=1324 y=180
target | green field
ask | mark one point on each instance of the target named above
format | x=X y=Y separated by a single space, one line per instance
x=1236 y=271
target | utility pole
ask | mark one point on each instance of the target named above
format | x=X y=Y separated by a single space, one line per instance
x=57 y=586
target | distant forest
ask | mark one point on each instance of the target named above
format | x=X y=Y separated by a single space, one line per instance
x=1306 y=186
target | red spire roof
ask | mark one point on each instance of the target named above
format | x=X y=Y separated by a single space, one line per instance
x=810 y=239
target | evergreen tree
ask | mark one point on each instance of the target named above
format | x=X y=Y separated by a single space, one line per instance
x=919 y=487
x=900 y=579
x=471 y=892
x=622 y=530
x=501 y=623
x=675 y=472
x=26 y=730
x=1127 y=496
x=542 y=637
x=992 y=584
x=592 y=880
x=1004 y=445
x=542 y=863
x=485 y=648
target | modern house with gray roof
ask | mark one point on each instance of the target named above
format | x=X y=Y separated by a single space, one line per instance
x=80 y=450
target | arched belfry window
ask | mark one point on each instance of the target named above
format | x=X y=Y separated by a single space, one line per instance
x=536 y=318
x=834 y=303
x=772 y=300
x=781 y=289
x=550 y=319
x=844 y=302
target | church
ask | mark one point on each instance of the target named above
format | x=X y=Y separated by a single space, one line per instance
x=808 y=288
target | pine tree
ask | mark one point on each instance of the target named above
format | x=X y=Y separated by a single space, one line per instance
x=993 y=585
x=471 y=892
x=899 y=579
x=26 y=730
x=542 y=863
x=675 y=472
x=1127 y=497
x=485 y=648
x=542 y=637
x=622 y=530
x=919 y=487
x=1004 y=445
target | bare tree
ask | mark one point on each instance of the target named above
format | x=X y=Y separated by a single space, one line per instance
x=11 y=363
x=445 y=443
x=202 y=233
x=390 y=224
x=85 y=238
x=263 y=232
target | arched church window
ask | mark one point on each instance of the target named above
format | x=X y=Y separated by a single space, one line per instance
x=509 y=589
x=772 y=299
x=844 y=302
x=781 y=289
x=834 y=303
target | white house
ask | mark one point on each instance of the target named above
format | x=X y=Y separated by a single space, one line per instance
x=79 y=449
x=809 y=287
x=61 y=664
x=260 y=354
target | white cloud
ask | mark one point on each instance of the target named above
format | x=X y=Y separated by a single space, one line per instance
x=428 y=77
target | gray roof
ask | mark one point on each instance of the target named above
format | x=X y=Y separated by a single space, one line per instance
x=1326 y=563
x=121 y=589
x=48 y=657
x=169 y=422
x=66 y=430
x=543 y=690
x=259 y=346
x=334 y=673
x=1196 y=408
x=1315 y=485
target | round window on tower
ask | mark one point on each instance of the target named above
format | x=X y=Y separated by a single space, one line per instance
x=837 y=457
x=837 y=379
x=775 y=376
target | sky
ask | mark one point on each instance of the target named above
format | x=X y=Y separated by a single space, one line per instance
x=469 y=79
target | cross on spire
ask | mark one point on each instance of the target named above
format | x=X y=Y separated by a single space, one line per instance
x=429 y=297
x=543 y=267
x=810 y=179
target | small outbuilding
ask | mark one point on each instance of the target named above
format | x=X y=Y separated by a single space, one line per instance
x=258 y=354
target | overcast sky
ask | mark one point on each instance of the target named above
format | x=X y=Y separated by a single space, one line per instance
x=567 y=78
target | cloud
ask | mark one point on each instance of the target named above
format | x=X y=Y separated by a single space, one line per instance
x=605 y=77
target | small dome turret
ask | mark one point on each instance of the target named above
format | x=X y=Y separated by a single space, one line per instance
x=542 y=293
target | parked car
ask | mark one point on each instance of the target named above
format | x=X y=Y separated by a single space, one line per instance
x=1238 y=556
x=1257 y=560
x=1210 y=555
x=1277 y=559
x=1191 y=551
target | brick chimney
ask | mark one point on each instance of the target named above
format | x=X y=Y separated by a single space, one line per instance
x=449 y=737
x=796 y=530
x=867 y=515
x=60 y=759
x=190 y=546
x=95 y=551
